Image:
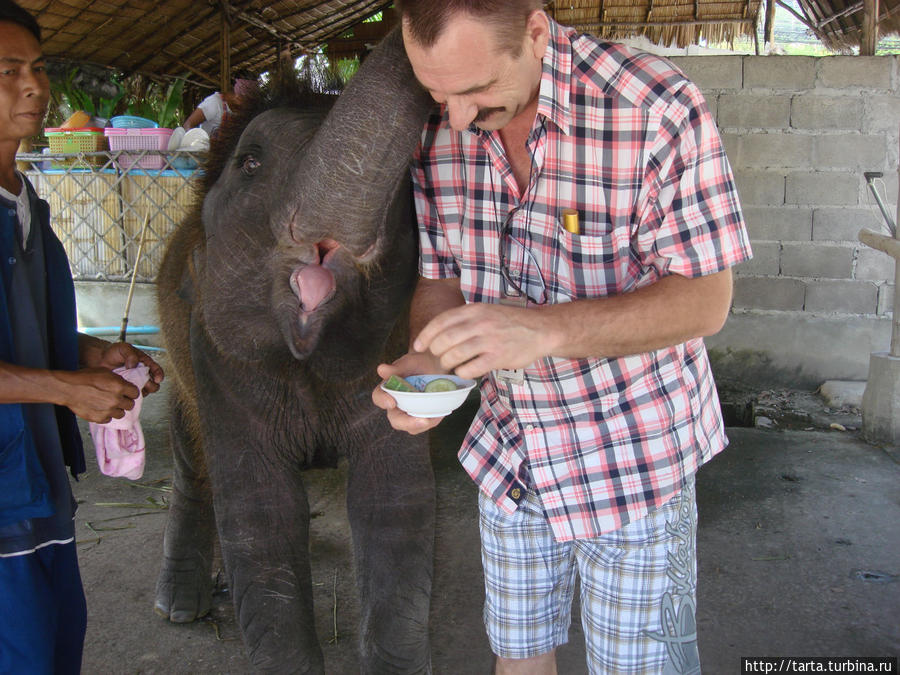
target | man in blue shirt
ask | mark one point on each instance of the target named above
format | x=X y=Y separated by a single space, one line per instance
x=49 y=373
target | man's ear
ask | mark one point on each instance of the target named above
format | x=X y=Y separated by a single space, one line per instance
x=537 y=28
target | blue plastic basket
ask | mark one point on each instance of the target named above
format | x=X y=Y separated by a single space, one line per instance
x=132 y=122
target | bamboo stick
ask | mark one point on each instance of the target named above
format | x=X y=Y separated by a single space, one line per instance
x=134 y=272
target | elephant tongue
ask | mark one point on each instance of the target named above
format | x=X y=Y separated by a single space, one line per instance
x=313 y=284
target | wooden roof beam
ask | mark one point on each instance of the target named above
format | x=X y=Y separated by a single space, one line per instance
x=841 y=30
x=663 y=24
x=260 y=23
x=834 y=17
x=187 y=30
x=199 y=73
x=802 y=19
x=129 y=29
x=155 y=75
x=351 y=14
x=816 y=13
x=256 y=52
x=212 y=46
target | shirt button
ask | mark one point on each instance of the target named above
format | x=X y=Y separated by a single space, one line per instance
x=529 y=427
x=11 y=260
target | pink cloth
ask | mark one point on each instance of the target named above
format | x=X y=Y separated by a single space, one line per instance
x=120 y=443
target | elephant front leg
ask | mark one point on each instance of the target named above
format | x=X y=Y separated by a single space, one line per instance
x=184 y=585
x=262 y=515
x=391 y=506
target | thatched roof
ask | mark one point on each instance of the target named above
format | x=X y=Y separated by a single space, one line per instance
x=668 y=22
x=171 y=38
x=183 y=37
x=839 y=24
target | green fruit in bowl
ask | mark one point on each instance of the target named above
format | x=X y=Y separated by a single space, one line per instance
x=440 y=384
x=439 y=400
x=398 y=384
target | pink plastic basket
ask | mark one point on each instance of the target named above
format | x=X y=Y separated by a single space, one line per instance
x=139 y=139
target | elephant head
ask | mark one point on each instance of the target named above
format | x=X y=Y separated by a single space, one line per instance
x=309 y=233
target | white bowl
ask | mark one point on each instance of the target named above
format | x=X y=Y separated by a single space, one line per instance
x=195 y=139
x=431 y=404
x=175 y=138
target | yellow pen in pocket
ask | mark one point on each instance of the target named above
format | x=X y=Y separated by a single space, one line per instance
x=570 y=221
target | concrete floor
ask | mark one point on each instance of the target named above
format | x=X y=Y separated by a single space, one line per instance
x=799 y=555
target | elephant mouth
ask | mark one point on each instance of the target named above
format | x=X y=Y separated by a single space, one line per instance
x=314 y=284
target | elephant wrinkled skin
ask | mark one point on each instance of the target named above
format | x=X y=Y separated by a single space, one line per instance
x=278 y=296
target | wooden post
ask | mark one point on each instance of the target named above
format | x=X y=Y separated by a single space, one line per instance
x=895 y=333
x=869 y=39
x=890 y=246
x=769 y=30
x=881 y=400
x=225 y=53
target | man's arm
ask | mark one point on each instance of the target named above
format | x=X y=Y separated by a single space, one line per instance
x=93 y=393
x=96 y=353
x=475 y=339
x=670 y=311
x=432 y=297
x=195 y=119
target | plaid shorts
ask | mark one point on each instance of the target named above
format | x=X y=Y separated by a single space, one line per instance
x=638 y=587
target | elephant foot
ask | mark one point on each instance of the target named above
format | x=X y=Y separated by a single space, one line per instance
x=413 y=660
x=184 y=590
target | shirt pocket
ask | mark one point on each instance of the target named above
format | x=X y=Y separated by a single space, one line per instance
x=21 y=486
x=588 y=262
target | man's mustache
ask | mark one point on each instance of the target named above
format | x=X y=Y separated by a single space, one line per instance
x=484 y=113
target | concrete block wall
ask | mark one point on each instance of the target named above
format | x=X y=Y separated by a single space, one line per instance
x=799 y=133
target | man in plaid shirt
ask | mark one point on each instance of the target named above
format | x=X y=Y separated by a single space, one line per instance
x=597 y=401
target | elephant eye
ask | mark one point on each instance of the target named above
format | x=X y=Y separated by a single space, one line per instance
x=249 y=165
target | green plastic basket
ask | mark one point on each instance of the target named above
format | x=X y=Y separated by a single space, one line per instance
x=73 y=141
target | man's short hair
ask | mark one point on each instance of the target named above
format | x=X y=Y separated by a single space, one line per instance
x=12 y=13
x=426 y=19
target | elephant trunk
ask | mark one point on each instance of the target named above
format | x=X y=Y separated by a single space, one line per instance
x=353 y=165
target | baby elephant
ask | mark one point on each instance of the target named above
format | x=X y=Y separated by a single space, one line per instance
x=278 y=296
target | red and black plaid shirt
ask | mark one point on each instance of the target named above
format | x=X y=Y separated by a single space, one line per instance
x=628 y=141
